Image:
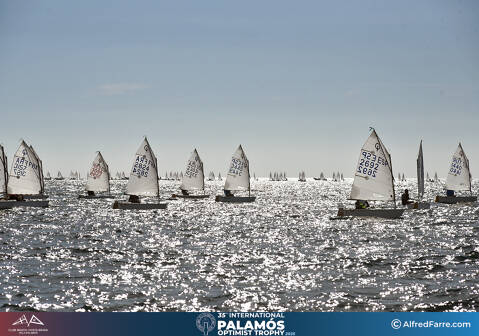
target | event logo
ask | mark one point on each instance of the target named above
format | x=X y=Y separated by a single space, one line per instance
x=205 y=322
x=23 y=321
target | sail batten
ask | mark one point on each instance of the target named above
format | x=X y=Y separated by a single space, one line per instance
x=459 y=175
x=143 y=179
x=238 y=176
x=98 y=179
x=194 y=177
x=373 y=179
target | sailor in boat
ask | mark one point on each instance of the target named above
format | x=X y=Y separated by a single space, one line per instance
x=184 y=192
x=90 y=193
x=134 y=199
x=405 y=200
x=450 y=193
x=18 y=198
x=360 y=204
x=228 y=193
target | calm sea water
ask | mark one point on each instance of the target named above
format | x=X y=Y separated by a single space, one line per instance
x=281 y=253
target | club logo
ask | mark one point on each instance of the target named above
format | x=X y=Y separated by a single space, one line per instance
x=96 y=171
x=24 y=321
x=205 y=322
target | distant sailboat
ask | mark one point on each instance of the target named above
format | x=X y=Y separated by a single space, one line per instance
x=458 y=179
x=25 y=180
x=238 y=178
x=420 y=182
x=143 y=181
x=98 y=178
x=219 y=177
x=59 y=176
x=48 y=177
x=373 y=181
x=342 y=177
x=193 y=179
x=302 y=177
x=436 y=179
x=403 y=178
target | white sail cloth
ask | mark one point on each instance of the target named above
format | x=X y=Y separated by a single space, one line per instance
x=25 y=176
x=194 y=177
x=373 y=179
x=238 y=172
x=420 y=172
x=144 y=173
x=3 y=171
x=459 y=176
x=98 y=179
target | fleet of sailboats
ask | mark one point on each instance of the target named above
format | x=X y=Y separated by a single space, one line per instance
x=373 y=180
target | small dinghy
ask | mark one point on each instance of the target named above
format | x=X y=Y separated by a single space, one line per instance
x=25 y=180
x=98 y=179
x=420 y=183
x=59 y=176
x=373 y=181
x=302 y=177
x=193 y=179
x=143 y=181
x=48 y=177
x=41 y=195
x=238 y=178
x=458 y=179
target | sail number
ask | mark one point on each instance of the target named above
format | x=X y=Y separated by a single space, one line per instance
x=142 y=166
x=456 y=166
x=21 y=165
x=236 y=167
x=369 y=163
x=192 y=169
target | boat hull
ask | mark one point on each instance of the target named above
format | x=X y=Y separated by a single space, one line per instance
x=419 y=205
x=95 y=197
x=138 y=206
x=190 y=196
x=38 y=196
x=455 y=199
x=17 y=204
x=235 y=199
x=379 y=213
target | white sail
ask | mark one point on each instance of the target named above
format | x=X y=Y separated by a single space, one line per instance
x=59 y=175
x=40 y=170
x=48 y=175
x=144 y=173
x=194 y=177
x=25 y=178
x=238 y=172
x=373 y=179
x=3 y=171
x=436 y=179
x=420 y=172
x=98 y=178
x=459 y=176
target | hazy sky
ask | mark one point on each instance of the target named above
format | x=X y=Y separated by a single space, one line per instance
x=297 y=83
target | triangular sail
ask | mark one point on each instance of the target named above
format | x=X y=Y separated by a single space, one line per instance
x=238 y=172
x=98 y=178
x=373 y=179
x=3 y=171
x=194 y=177
x=25 y=178
x=420 y=172
x=40 y=167
x=459 y=175
x=144 y=173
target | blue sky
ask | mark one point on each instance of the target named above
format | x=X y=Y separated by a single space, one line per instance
x=296 y=83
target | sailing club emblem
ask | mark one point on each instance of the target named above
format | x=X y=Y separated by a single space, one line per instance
x=205 y=322
x=377 y=146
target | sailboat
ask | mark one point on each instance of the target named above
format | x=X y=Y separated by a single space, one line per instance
x=48 y=177
x=342 y=177
x=3 y=174
x=25 y=180
x=143 y=181
x=193 y=179
x=458 y=179
x=59 y=176
x=373 y=181
x=420 y=182
x=238 y=178
x=436 y=179
x=403 y=178
x=219 y=177
x=40 y=195
x=302 y=177
x=98 y=179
